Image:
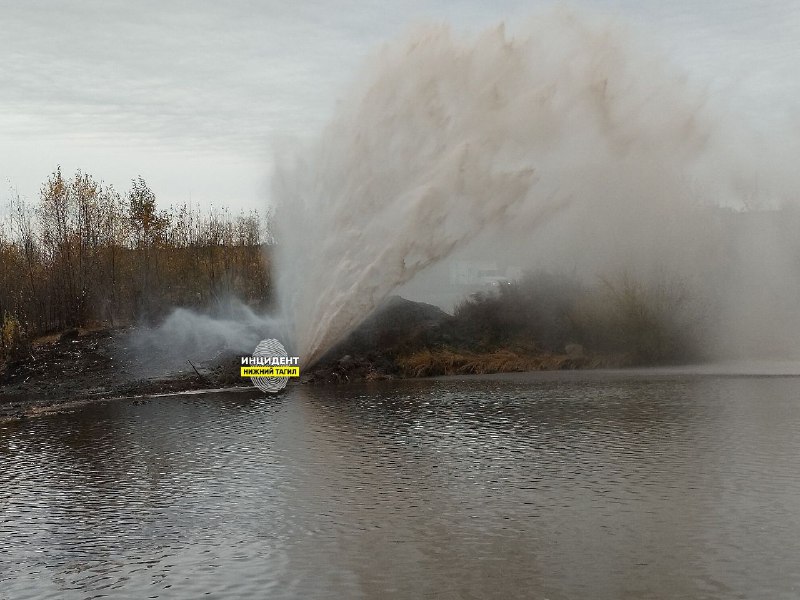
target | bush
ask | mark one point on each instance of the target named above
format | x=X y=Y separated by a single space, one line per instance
x=14 y=343
x=638 y=322
x=648 y=324
x=533 y=312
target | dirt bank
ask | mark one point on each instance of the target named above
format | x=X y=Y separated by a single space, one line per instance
x=84 y=365
x=400 y=339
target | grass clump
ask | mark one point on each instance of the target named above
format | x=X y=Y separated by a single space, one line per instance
x=448 y=361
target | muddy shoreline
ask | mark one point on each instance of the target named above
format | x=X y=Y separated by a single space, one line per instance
x=81 y=366
x=77 y=367
x=401 y=339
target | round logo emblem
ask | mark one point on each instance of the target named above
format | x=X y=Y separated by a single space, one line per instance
x=270 y=349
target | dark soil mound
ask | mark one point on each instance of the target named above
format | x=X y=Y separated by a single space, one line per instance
x=397 y=327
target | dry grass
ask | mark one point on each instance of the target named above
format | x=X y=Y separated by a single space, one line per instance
x=446 y=361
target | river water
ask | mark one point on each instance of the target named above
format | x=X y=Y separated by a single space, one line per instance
x=591 y=485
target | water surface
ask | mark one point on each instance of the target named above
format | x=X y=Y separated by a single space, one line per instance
x=529 y=486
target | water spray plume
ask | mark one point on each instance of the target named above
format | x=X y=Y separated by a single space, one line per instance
x=445 y=137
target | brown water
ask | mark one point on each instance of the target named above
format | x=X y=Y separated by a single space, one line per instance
x=529 y=486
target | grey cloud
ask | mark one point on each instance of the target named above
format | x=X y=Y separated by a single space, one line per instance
x=203 y=76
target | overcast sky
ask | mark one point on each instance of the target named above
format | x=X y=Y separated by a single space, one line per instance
x=195 y=95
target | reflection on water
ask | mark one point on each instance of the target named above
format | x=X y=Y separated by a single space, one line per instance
x=524 y=486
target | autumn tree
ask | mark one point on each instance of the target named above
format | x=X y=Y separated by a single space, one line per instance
x=83 y=252
x=147 y=228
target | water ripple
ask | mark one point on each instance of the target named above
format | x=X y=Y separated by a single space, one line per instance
x=526 y=486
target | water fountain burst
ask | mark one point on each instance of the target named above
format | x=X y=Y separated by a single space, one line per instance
x=445 y=137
